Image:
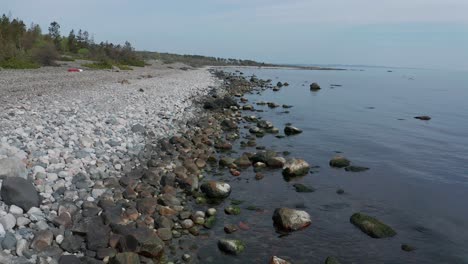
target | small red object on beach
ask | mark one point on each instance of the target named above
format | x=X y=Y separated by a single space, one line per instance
x=74 y=70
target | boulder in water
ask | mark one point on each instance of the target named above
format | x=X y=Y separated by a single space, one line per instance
x=315 y=87
x=291 y=219
x=371 y=226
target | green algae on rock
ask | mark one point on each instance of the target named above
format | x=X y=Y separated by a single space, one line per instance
x=371 y=226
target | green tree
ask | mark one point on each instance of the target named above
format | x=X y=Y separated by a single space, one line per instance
x=54 y=33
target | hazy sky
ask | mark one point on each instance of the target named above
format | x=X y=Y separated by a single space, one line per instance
x=413 y=33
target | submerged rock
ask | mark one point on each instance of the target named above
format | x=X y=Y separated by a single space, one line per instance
x=216 y=189
x=276 y=162
x=372 y=226
x=315 y=87
x=301 y=188
x=407 y=248
x=276 y=260
x=295 y=168
x=232 y=210
x=20 y=192
x=290 y=130
x=356 y=169
x=339 y=162
x=291 y=219
x=331 y=260
x=231 y=246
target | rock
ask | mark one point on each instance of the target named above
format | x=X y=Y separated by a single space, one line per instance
x=232 y=210
x=15 y=210
x=210 y=222
x=186 y=257
x=263 y=156
x=226 y=161
x=216 y=189
x=97 y=234
x=231 y=228
x=229 y=124
x=138 y=128
x=22 y=221
x=340 y=191
x=425 y=118
x=151 y=246
x=407 y=248
x=356 y=169
x=8 y=221
x=290 y=130
x=301 y=188
x=19 y=192
x=42 y=240
x=102 y=253
x=231 y=246
x=2 y=231
x=339 y=162
x=314 y=87
x=187 y=223
x=13 y=167
x=211 y=211
x=9 y=241
x=290 y=219
x=276 y=162
x=276 y=260
x=21 y=247
x=295 y=168
x=125 y=258
x=331 y=260
x=243 y=161
x=69 y=259
x=371 y=226
x=165 y=234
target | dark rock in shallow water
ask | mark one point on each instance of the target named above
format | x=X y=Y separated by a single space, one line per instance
x=276 y=260
x=231 y=246
x=232 y=210
x=407 y=248
x=339 y=162
x=287 y=219
x=301 y=188
x=340 y=191
x=20 y=192
x=356 y=169
x=314 y=87
x=331 y=260
x=230 y=228
x=290 y=130
x=263 y=156
x=372 y=226
x=425 y=118
x=210 y=222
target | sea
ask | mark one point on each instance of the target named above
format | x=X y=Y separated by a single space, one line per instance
x=418 y=177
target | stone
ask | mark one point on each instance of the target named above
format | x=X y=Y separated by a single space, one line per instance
x=243 y=161
x=125 y=258
x=9 y=241
x=187 y=223
x=216 y=189
x=331 y=260
x=424 y=118
x=356 y=169
x=230 y=228
x=262 y=156
x=315 y=87
x=8 y=221
x=371 y=226
x=291 y=219
x=13 y=167
x=72 y=243
x=211 y=211
x=231 y=246
x=226 y=161
x=20 y=192
x=165 y=234
x=2 y=231
x=42 y=239
x=210 y=222
x=21 y=247
x=295 y=168
x=69 y=259
x=339 y=162
x=301 y=188
x=276 y=260
x=276 y=162
x=407 y=248
x=291 y=130
x=15 y=210
x=232 y=210
x=97 y=235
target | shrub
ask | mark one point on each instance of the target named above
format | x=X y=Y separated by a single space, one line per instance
x=17 y=63
x=45 y=55
x=102 y=65
x=124 y=67
x=83 y=52
x=66 y=58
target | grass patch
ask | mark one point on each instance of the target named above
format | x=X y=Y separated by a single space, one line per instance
x=102 y=65
x=16 y=63
x=124 y=67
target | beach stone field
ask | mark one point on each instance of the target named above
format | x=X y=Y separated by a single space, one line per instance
x=109 y=166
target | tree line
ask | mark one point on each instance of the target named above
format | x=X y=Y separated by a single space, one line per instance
x=29 y=47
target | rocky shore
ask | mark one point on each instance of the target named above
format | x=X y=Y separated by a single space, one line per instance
x=132 y=172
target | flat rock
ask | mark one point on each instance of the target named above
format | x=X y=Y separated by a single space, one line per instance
x=371 y=226
x=231 y=246
x=216 y=189
x=295 y=168
x=339 y=162
x=20 y=192
x=290 y=219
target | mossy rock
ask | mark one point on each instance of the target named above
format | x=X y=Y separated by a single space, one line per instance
x=331 y=260
x=210 y=222
x=356 y=169
x=232 y=210
x=407 y=248
x=339 y=162
x=236 y=202
x=371 y=226
x=301 y=188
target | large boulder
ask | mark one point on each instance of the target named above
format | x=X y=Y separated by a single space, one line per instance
x=371 y=226
x=216 y=189
x=339 y=162
x=291 y=130
x=13 y=167
x=295 y=168
x=20 y=192
x=291 y=219
x=231 y=246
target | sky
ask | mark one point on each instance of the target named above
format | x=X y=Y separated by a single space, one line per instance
x=400 y=33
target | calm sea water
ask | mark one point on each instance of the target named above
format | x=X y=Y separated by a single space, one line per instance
x=418 y=181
